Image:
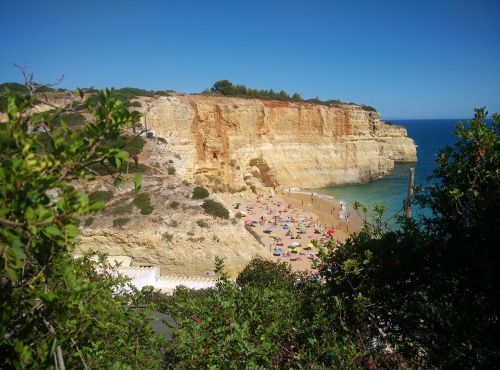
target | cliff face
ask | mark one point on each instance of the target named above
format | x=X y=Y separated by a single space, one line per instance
x=231 y=143
x=180 y=240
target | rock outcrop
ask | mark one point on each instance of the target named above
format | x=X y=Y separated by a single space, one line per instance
x=177 y=235
x=231 y=143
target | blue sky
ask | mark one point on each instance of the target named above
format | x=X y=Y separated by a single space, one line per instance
x=409 y=59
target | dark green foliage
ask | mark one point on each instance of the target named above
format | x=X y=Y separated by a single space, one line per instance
x=173 y=204
x=261 y=273
x=130 y=168
x=119 y=222
x=101 y=196
x=13 y=87
x=136 y=104
x=161 y=140
x=127 y=93
x=171 y=170
x=433 y=286
x=143 y=202
x=215 y=209
x=275 y=325
x=133 y=145
x=200 y=192
x=72 y=119
x=123 y=209
x=368 y=108
x=202 y=223
x=226 y=88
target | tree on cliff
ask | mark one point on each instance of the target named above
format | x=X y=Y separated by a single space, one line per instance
x=57 y=310
x=223 y=87
x=226 y=88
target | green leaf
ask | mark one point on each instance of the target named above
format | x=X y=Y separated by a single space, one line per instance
x=138 y=182
x=118 y=182
x=51 y=230
x=122 y=155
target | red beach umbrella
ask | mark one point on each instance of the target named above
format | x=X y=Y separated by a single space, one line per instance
x=330 y=232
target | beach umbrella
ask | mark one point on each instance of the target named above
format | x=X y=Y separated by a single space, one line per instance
x=309 y=246
x=255 y=222
x=295 y=244
x=296 y=250
x=330 y=232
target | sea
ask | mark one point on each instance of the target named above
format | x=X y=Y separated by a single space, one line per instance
x=430 y=136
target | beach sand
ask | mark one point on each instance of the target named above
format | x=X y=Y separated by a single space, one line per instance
x=295 y=218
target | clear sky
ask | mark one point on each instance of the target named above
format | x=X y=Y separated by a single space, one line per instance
x=409 y=59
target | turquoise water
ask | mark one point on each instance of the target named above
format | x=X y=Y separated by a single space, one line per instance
x=430 y=136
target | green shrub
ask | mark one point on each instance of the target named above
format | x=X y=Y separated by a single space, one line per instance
x=118 y=222
x=72 y=119
x=161 y=140
x=202 y=223
x=200 y=192
x=215 y=209
x=227 y=88
x=136 y=104
x=130 y=167
x=368 y=108
x=120 y=210
x=132 y=146
x=101 y=196
x=173 y=204
x=143 y=202
x=263 y=273
x=171 y=170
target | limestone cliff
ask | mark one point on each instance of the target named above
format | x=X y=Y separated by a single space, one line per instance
x=176 y=235
x=232 y=143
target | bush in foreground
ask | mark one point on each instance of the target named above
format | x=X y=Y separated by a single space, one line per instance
x=58 y=311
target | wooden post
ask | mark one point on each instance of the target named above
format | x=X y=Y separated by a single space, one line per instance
x=410 y=193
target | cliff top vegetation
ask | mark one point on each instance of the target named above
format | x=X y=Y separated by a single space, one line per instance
x=227 y=88
x=220 y=88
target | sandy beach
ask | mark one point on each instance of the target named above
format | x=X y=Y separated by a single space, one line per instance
x=288 y=221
